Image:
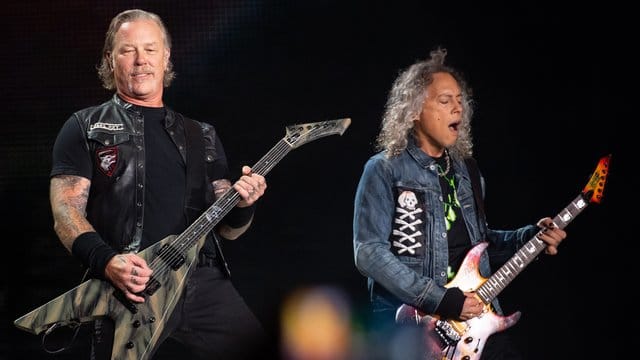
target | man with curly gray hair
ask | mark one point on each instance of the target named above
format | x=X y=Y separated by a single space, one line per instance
x=418 y=214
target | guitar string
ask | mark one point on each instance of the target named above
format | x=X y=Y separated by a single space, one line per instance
x=515 y=265
x=198 y=233
x=195 y=231
x=280 y=150
x=262 y=167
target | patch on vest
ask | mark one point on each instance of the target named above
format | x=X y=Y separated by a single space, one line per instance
x=407 y=238
x=107 y=126
x=107 y=160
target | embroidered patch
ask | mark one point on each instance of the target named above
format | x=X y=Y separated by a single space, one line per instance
x=107 y=160
x=107 y=126
x=407 y=238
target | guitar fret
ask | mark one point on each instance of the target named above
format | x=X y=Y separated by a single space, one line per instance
x=500 y=277
x=495 y=283
x=212 y=216
x=478 y=330
x=527 y=253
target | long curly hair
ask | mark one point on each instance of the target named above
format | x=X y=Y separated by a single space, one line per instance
x=105 y=70
x=405 y=101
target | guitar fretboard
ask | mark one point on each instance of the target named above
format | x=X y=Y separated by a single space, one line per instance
x=212 y=216
x=527 y=253
x=296 y=136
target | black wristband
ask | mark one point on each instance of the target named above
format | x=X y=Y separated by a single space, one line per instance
x=451 y=305
x=239 y=217
x=93 y=252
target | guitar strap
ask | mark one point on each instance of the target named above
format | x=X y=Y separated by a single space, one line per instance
x=198 y=192
x=474 y=173
x=196 y=186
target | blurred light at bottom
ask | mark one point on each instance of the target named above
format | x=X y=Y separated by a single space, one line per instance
x=316 y=325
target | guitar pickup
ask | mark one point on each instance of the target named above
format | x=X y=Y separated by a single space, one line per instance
x=171 y=256
x=152 y=286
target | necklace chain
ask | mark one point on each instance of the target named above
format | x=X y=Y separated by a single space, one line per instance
x=444 y=172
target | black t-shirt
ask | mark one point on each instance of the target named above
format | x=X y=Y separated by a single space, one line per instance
x=165 y=180
x=459 y=241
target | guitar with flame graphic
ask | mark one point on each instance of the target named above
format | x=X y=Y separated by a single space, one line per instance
x=464 y=340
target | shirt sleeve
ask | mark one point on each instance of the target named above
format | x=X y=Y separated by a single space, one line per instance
x=70 y=152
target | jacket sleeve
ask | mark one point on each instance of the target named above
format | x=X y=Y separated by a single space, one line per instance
x=374 y=208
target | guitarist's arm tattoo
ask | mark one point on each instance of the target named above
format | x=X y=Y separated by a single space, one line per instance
x=68 y=196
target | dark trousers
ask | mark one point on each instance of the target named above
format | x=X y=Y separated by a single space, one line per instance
x=210 y=321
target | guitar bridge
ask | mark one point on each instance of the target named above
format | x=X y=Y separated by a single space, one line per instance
x=446 y=333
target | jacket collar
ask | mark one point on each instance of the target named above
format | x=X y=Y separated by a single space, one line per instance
x=424 y=160
x=169 y=119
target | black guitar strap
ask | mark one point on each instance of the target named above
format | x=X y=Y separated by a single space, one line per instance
x=474 y=173
x=196 y=185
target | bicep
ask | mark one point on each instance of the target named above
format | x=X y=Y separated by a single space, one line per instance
x=68 y=196
x=69 y=191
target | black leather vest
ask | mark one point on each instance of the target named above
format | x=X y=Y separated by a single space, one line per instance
x=115 y=140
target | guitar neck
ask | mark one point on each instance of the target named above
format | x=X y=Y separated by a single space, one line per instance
x=527 y=253
x=212 y=216
x=296 y=136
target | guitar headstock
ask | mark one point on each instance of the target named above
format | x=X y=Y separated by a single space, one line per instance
x=594 y=189
x=301 y=134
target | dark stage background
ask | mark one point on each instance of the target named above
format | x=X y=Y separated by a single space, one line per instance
x=543 y=119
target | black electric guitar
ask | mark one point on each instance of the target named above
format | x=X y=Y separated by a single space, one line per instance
x=138 y=325
x=464 y=340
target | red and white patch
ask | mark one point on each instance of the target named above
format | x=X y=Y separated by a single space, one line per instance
x=107 y=160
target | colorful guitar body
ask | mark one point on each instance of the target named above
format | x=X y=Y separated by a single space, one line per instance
x=465 y=340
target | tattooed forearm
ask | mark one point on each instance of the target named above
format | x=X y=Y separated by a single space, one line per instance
x=220 y=187
x=68 y=196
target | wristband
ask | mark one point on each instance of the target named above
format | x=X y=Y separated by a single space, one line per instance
x=239 y=217
x=451 y=304
x=93 y=252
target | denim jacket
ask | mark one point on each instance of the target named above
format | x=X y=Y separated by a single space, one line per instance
x=400 y=237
